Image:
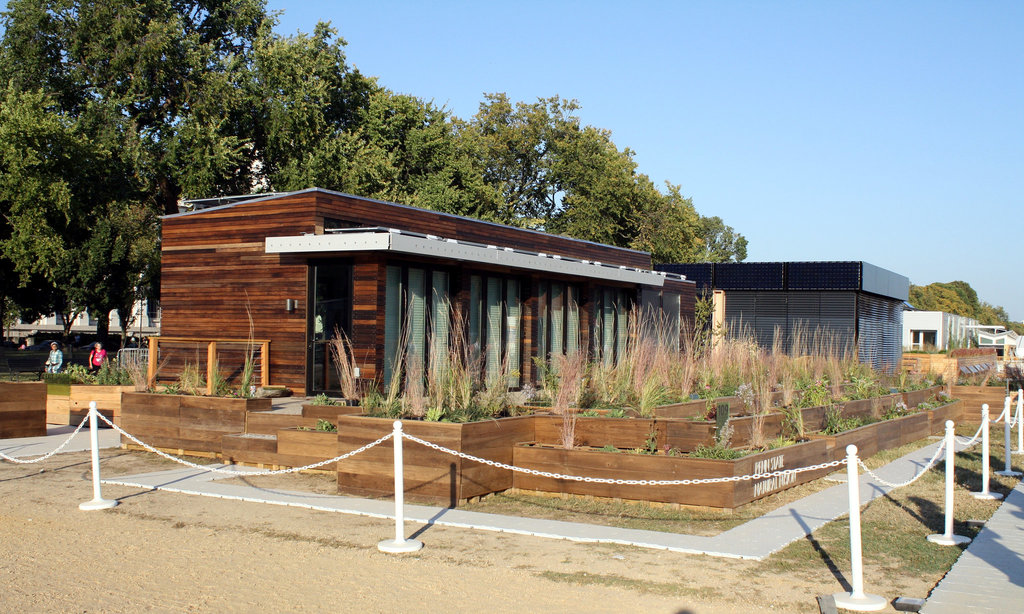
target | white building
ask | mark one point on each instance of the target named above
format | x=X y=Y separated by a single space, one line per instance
x=145 y=322
x=936 y=330
x=1004 y=341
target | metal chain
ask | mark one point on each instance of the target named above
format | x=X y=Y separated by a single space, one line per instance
x=930 y=464
x=591 y=480
x=21 y=461
x=244 y=473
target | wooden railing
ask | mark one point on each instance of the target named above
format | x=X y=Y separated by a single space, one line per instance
x=211 y=357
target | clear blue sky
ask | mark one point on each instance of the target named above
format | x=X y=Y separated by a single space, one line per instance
x=889 y=132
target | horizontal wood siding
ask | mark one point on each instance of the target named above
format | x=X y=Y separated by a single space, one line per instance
x=214 y=268
x=22 y=409
x=361 y=212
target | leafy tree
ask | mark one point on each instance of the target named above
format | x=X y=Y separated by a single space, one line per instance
x=958 y=297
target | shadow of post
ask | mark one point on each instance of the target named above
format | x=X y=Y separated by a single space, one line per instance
x=822 y=553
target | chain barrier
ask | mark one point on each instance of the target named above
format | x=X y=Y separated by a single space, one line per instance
x=924 y=470
x=592 y=480
x=22 y=461
x=234 y=472
x=970 y=442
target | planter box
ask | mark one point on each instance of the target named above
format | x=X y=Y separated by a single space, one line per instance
x=330 y=412
x=951 y=411
x=599 y=464
x=916 y=397
x=696 y=408
x=73 y=408
x=685 y=435
x=878 y=436
x=182 y=422
x=975 y=396
x=430 y=475
x=299 y=448
x=22 y=409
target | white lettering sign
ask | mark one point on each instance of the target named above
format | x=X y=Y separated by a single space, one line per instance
x=768 y=465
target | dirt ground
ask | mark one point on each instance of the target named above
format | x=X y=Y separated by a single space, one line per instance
x=167 y=552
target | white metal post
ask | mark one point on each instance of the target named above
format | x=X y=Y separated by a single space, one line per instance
x=1007 y=425
x=856 y=599
x=948 y=538
x=399 y=544
x=98 y=502
x=1020 y=427
x=984 y=493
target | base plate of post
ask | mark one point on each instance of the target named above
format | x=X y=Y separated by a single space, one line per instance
x=392 y=546
x=987 y=496
x=97 y=504
x=861 y=603
x=948 y=540
x=1009 y=474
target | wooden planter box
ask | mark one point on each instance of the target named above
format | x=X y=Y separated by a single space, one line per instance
x=916 y=397
x=430 y=475
x=330 y=412
x=298 y=448
x=975 y=396
x=22 y=409
x=73 y=408
x=599 y=464
x=951 y=411
x=696 y=408
x=183 y=422
x=873 y=438
x=682 y=434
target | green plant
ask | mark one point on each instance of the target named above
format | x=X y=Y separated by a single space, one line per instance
x=835 y=423
x=793 y=422
x=609 y=448
x=717 y=451
x=326 y=426
x=651 y=443
x=323 y=399
x=111 y=374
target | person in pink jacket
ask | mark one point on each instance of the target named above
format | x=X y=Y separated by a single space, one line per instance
x=97 y=357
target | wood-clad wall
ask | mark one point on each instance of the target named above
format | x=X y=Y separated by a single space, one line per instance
x=215 y=266
x=216 y=269
x=362 y=212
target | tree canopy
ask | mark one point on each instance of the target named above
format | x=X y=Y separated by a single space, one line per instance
x=113 y=112
x=958 y=297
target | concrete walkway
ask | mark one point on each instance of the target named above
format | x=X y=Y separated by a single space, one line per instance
x=756 y=539
x=30 y=447
x=989 y=575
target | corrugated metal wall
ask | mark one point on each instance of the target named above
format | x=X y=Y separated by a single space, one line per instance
x=823 y=317
x=879 y=331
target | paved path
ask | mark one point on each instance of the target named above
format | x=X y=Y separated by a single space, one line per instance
x=989 y=575
x=756 y=539
x=29 y=447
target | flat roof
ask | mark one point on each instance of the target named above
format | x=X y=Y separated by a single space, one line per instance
x=232 y=201
x=404 y=242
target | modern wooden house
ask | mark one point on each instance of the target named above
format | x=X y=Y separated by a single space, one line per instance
x=301 y=265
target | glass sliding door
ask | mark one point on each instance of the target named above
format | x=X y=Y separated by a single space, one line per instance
x=331 y=285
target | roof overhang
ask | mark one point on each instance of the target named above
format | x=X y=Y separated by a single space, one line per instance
x=399 y=242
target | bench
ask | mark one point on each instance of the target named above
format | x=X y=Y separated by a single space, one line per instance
x=25 y=364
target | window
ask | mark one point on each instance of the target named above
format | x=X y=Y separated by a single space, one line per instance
x=495 y=314
x=417 y=317
x=558 y=319
x=660 y=312
x=611 y=323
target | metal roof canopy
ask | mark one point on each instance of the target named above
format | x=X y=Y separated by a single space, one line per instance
x=398 y=241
